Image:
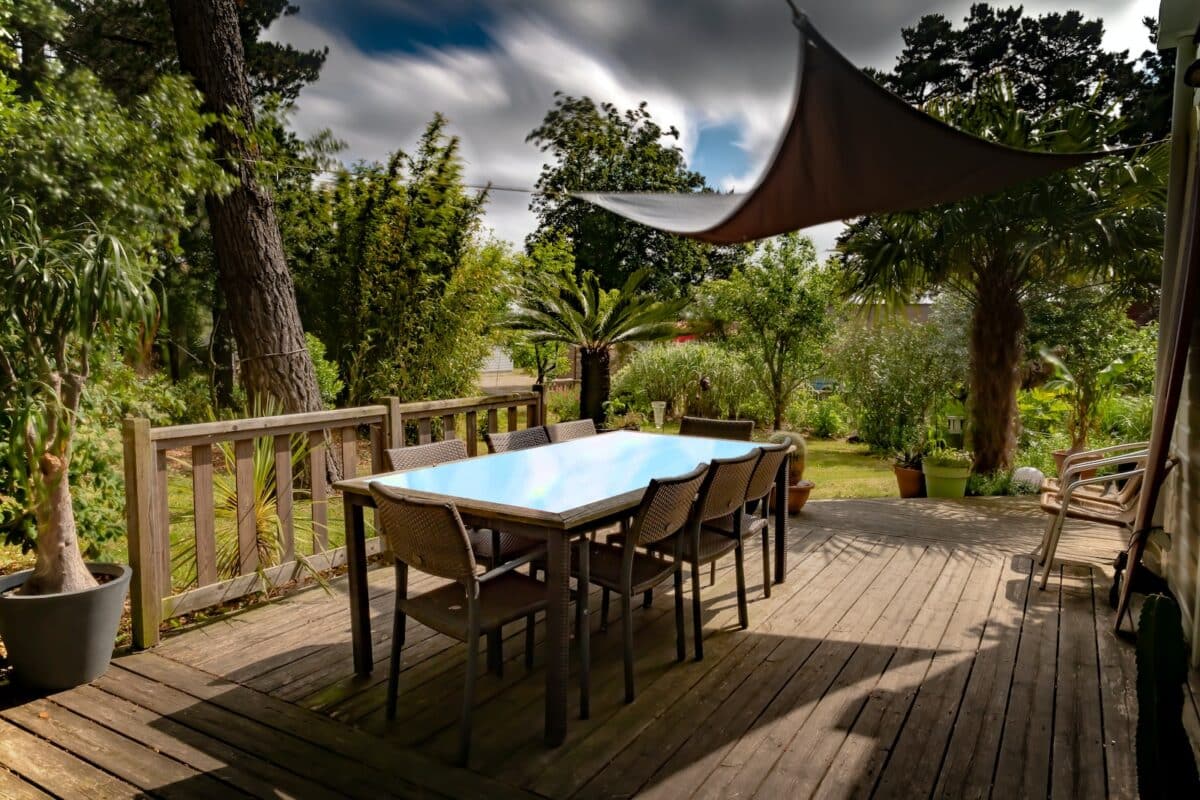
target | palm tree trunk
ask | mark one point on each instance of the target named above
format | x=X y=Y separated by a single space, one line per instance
x=60 y=566
x=997 y=348
x=594 y=383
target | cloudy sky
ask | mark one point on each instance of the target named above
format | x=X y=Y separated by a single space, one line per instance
x=719 y=70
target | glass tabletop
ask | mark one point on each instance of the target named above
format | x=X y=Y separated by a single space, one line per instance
x=559 y=478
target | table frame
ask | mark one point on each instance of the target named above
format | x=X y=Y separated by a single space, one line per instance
x=558 y=531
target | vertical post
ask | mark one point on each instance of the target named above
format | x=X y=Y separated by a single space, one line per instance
x=394 y=425
x=247 y=523
x=316 y=472
x=781 y=515
x=283 y=496
x=448 y=431
x=146 y=593
x=540 y=388
x=162 y=520
x=349 y=452
x=424 y=430
x=493 y=421
x=472 y=433
x=356 y=563
x=202 y=505
x=512 y=418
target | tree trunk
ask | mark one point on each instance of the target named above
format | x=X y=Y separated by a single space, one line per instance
x=594 y=383
x=997 y=348
x=260 y=295
x=60 y=566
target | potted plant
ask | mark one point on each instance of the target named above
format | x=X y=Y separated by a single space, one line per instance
x=58 y=620
x=798 y=488
x=910 y=480
x=946 y=472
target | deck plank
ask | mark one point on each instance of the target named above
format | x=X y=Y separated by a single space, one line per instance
x=1078 y=754
x=55 y=770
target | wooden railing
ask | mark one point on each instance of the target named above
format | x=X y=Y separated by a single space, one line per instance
x=297 y=452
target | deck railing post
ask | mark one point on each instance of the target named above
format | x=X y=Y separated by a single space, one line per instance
x=395 y=423
x=145 y=542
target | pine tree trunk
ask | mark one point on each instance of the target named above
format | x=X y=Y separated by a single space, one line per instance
x=260 y=295
x=997 y=348
x=60 y=566
x=594 y=383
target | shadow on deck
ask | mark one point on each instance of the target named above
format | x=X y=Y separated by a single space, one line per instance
x=908 y=654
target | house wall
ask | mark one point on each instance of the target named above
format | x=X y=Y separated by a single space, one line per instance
x=1180 y=506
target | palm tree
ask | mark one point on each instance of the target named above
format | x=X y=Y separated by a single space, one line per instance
x=559 y=308
x=1097 y=224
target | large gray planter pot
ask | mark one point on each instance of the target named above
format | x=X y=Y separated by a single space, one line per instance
x=57 y=641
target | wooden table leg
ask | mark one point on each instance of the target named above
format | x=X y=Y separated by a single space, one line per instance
x=558 y=570
x=582 y=596
x=781 y=515
x=356 y=562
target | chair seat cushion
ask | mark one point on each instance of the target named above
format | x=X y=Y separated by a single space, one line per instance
x=604 y=567
x=511 y=545
x=501 y=600
x=751 y=525
x=1102 y=492
x=712 y=546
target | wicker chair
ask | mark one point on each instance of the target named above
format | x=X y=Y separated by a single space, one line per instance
x=429 y=535
x=665 y=510
x=737 y=429
x=566 y=431
x=722 y=493
x=759 y=488
x=490 y=547
x=516 y=440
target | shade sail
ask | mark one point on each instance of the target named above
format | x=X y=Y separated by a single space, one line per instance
x=851 y=148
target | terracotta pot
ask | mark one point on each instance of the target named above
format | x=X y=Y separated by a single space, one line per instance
x=797 y=496
x=1060 y=456
x=911 y=482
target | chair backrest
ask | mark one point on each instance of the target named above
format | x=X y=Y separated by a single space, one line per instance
x=665 y=507
x=738 y=429
x=516 y=440
x=763 y=477
x=566 y=431
x=427 y=455
x=724 y=487
x=428 y=535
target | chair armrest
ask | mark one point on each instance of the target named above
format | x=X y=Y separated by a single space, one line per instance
x=1067 y=492
x=1092 y=455
x=1111 y=461
x=509 y=566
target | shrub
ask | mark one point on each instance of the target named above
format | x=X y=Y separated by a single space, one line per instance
x=697 y=378
x=948 y=457
x=829 y=418
x=1127 y=419
x=892 y=375
x=329 y=384
x=562 y=404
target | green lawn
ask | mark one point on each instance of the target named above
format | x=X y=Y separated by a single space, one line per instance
x=840 y=469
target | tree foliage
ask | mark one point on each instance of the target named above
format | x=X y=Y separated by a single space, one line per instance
x=603 y=149
x=1050 y=61
x=775 y=311
x=1098 y=224
x=393 y=276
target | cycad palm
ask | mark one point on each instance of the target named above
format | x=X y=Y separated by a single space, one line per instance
x=560 y=308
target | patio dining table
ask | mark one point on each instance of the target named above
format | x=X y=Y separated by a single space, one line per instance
x=555 y=493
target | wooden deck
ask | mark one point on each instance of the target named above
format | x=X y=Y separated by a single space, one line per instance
x=908 y=655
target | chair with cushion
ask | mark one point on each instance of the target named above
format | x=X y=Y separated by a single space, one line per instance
x=762 y=481
x=737 y=429
x=665 y=510
x=522 y=439
x=566 y=431
x=429 y=536
x=723 y=493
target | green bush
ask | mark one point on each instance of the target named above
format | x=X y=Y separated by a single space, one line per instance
x=562 y=404
x=829 y=418
x=678 y=374
x=329 y=384
x=948 y=457
x=1127 y=419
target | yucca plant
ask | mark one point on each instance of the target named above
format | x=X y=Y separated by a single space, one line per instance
x=561 y=308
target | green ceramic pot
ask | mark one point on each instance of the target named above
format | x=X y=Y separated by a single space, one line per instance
x=945 y=481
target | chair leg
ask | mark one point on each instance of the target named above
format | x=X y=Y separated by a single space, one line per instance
x=697 y=619
x=529 y=624
x=464 y=726
x=398 y=622
x=766 y=558
x=743 y=611
x=627 y=642
x=680 y=645
x=648 y=598
x=495 y=653
x=584 y=630
x=398 y=625
x=1040 y=552
x=1051 y=547
x=604 y=598
x=712 y=573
